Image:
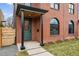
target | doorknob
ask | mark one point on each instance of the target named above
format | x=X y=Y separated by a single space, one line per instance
x=37 y=30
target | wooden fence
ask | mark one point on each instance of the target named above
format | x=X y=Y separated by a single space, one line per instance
x=8 y=36
x=0 y=37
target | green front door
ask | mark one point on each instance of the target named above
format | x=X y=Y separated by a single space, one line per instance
x=28 y=30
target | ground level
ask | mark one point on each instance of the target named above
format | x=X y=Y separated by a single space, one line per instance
x=8 y=51
x=33 y=48
x=66 y=48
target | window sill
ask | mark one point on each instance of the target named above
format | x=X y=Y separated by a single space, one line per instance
x=54 y=9
x=54 y=35
x=71 y=33
x=71 y=14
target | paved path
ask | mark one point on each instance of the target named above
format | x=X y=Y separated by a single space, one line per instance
x=8 y=51
x=34 y=49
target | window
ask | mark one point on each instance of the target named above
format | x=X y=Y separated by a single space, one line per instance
x=71 y=8
x=27 y=4
x=55 y=5
x=71 y=27
x=54 y=26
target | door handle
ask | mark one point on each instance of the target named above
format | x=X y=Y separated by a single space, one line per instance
x=30 y=30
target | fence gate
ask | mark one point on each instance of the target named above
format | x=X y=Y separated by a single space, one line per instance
x=7 y=36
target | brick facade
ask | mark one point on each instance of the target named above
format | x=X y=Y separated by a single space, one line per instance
x=63 y=17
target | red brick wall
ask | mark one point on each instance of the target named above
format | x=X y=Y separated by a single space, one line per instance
x=35 y=26
x=67 y=18
x=18 y=29
x=37 y=5
x=62 y=15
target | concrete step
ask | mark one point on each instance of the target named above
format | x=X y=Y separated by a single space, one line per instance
x=36 y=51
x=31 y=45
x=43 y=54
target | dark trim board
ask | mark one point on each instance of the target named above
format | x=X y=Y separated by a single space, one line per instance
x=24 y=7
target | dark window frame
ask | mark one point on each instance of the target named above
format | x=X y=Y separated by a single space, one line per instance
x=54 y=27
x=30 y=4
x=71 y=27
x=58 y=6
x=71 y=9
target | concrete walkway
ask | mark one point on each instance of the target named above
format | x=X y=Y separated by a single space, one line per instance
x=8 y=50
x=34 y=49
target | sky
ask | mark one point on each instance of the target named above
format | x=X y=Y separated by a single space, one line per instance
x=7 y=10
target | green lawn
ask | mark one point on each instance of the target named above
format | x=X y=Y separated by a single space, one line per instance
x=22 y=53
x=65 y=48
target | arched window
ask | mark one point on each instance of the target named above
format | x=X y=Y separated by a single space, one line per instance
x=71 y=27
x=54 y=26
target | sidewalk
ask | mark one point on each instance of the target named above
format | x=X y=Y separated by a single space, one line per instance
x=34 y=49
x=8 y=51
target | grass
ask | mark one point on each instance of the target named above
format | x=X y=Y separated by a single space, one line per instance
x=22 y=53
x=65 y=48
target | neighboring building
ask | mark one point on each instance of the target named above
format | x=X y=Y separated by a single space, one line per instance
x=2 y=22
x=46 y=22
x=1 y=16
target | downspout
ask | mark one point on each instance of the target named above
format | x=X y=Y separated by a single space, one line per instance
x=63 y=20
x=78 y=19
x=41 y=26
x=41 y=21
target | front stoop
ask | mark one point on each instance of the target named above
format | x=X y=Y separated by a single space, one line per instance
x=39 y=52
x=34 y=49
x=44 y=54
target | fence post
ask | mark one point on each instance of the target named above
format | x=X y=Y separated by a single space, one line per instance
x=0 y=37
